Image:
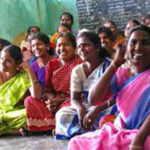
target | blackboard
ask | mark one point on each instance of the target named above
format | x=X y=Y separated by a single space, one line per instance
x=92 y=13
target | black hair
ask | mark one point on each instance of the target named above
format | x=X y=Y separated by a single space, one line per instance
x=45 y=39
x=136 y=22
x=4 y=43
x=29 y=29
x=112 y=22
x=15 y=53
x=140 y=27
x=107 y=31
x=94 y=38
x=69 y=15
x=69 y=36
x=65 y=25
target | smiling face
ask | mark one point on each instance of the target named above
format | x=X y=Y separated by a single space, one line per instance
x=28 y=41
x=105 y=40
x=65 y=19
x=63 y=29
x=138 y=49
x=111 y=27
x=39 y=48
x=8 y=63
x=65 y=49
x=86 y=49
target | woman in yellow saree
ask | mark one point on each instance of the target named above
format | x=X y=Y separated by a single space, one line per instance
x=16 y=78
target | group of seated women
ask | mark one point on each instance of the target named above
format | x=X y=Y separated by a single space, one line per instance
x=80 y=88
x=43 y=87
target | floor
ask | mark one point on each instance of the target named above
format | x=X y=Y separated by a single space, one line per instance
x=32 y=143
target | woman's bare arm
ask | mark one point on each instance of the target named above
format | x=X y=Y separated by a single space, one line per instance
x=35 y=89
x=101 y=90
x=143 y=133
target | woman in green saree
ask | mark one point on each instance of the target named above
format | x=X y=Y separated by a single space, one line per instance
x=16 y=78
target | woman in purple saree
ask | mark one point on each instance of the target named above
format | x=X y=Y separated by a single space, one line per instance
x=131 y=87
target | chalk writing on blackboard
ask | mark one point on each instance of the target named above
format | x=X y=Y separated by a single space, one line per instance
x=92 y=13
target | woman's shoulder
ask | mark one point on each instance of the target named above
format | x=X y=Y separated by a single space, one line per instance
x=1 y=80
x=23 y=74
x=79 y=67
x=78 y=73
x=54 y=60
x=79 y=70
x=53 y=64
x=34 y=64
x=77 y=59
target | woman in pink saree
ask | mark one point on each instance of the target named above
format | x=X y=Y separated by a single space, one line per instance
x=131 y=88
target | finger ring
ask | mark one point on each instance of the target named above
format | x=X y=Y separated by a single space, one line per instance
x=89 y=120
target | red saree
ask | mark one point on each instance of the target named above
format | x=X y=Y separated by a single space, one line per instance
x=39 y=118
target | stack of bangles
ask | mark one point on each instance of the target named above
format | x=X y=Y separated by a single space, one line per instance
x=135 y=146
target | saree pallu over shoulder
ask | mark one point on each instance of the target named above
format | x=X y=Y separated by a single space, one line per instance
x=133 y=101
x=136 y=92
x=12 y=91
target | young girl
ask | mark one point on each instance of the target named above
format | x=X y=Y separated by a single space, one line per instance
x=40 y=45
x=41 y=114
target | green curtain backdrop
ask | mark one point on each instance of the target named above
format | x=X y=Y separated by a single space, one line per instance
x=17 y=15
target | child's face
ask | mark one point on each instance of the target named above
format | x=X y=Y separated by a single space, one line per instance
x=65 y=19
x=63 y=29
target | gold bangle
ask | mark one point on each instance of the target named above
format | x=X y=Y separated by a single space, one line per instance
x=135 y=146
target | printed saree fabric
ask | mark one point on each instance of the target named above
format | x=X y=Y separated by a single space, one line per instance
x=12 y=114
x=133 y=101
x=67 y=123
x=39 y=118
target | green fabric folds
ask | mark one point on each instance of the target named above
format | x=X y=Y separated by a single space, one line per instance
x=11 y=93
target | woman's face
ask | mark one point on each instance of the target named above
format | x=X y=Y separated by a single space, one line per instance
x=65 y=49
x=111 y=27
x=7 y=62
x=34 y=30
x=65 y=19
x=63 y=29
x=28 y=42
x=39 y=48
x=130 y=25
x=86 y=49
x=147 y=22
x=105 y=40
x=138 y=49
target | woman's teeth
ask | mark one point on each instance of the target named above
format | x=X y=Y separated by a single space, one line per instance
x=63 y=53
